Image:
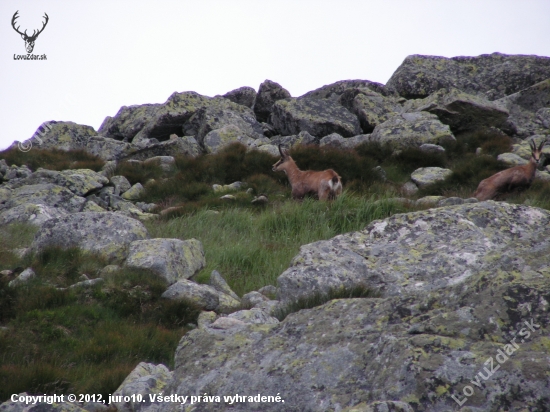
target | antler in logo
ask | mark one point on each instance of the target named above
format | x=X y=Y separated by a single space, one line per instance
x=29 y=40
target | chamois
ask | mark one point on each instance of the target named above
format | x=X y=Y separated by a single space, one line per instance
x=326 y=184
x=518 y=177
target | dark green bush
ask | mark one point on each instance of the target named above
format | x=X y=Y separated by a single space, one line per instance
x=52 y=159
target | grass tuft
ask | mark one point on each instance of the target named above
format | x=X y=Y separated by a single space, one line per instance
x=53 y=159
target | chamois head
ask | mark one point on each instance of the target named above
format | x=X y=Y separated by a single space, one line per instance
x=536 y=152
x=285 y=157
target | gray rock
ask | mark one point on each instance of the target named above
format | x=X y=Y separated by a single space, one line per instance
x=79 y=181
x=371 y=108
x=46 y=194
x=106 y=234
x=335 y=90
x=432 y=148
x=206 y=319
x=512 y=159
x=121 y=184
x=492 y=75
x=429 y=201
x=251 y=299
x=450 y=201
x=425 y=176
x=243 y=95
x=106 y=148
x=175 y=146
x=268 y=291
x=219 y=138
x=319 y=117
x=128 y=121
x=411 y=130
x=333 y=140
x=146 y=379
x=171 y=259
x=66 y=136
x=460 y=110
x=219 y=283
x=15 y=172
x=86 y=283
x=303 y=138
x=134 y=193
x=166 y=163
x=23 y=277
x=527 y=109
x=409 y=188
x=30 y=213
x=254 y=315
x=268 y=93
x=204 y=296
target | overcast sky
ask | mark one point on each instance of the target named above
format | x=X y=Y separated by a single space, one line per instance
x=102 y=55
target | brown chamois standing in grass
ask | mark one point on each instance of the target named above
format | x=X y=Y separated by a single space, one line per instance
x=326 y=184
x=518 y=177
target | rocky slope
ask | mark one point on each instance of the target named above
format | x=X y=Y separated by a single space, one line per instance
x=462 y=321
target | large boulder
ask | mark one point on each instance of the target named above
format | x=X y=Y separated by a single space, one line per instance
x=107 y=234
x=30 y=213
x=459 y=285
x=370 y=107
x=171 y=259
x=128 y=121
x=47 y=194
x=492 y=75
x=460 y=110
x=243 y=95
x=335 y=90
x=425 y=176
x=268 y=93
x=65 y=136
x=412 y=130
x=528 y=109
x=417 y=252
x=79 y=181
x=186 y=145
x=319 y=117
x=106 y=148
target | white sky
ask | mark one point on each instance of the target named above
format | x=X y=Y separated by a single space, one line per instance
x=102 y=55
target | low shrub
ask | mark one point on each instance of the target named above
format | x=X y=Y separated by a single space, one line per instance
x=53 y=159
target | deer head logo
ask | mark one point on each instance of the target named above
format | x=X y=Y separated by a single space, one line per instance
x=29 y=40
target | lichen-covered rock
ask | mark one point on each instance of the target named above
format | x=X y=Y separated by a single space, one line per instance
x=460 y=284
x=512 y=159
x=319 y=117
x=429 y=175
x=121 y=184
x=128 y=121
x=460 y=110
x=219 y=138
x=20 y=405
x=416 y=252
x=106 y=148
x=186 y=145
x=30 y=213
x=146 y=379
x=134 y=192
x=243 y=95
x=303 y=138
x=527 y=108
x=79 y=181
x=204 y=296
x=381 y=406
x=254 y=315
x=371 y=108
x=106 y=234
x=171 y=259
x=335 y=90
x=268 y=93
x=219 y=283
x=23 y=277
x=46 y=194
x=66 y=136
x=411 y=130
x=492 y=75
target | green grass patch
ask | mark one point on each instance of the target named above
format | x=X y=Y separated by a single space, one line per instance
x=252 y=247
x=53 y=159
